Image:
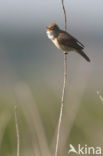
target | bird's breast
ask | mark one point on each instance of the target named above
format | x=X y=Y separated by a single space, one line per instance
x=55 y=41
x=50 y=35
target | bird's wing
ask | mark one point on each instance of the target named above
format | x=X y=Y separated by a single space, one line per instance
x=66 y=39
x=77 y=41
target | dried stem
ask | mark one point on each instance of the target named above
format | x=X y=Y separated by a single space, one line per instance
x=17 y=132
x=100 y=96
x=62 y=104
x=64 y=88
x=65 y=18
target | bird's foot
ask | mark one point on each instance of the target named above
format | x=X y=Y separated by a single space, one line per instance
x=65 y=52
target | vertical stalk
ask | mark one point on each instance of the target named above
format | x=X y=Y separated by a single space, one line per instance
x=62 y=104
x=64 y=87
x=17 y=132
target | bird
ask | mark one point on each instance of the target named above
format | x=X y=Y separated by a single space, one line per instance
x=64 y=41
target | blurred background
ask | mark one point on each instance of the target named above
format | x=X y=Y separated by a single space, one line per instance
x=31 y=76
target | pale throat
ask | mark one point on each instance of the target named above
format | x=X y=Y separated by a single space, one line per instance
x=51 y=35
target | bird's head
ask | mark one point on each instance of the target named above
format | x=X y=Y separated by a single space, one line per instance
x=53 y=27
x=52 y=30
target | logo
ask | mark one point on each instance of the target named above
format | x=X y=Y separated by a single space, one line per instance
x=85 y=150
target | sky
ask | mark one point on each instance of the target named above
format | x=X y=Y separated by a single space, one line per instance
x=31 y=14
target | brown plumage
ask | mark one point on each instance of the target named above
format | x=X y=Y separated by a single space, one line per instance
x=69 y=41
x=64 y=41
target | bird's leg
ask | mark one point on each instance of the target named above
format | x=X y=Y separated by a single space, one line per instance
x=65 y=52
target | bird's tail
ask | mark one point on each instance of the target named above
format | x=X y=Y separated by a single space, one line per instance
x=84 y=55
